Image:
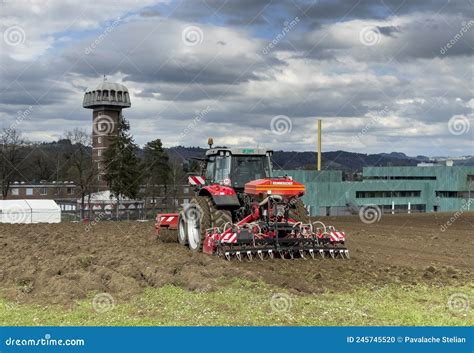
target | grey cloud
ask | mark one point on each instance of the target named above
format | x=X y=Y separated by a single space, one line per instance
x=389 y=31
x=158 y=57
x=335 y=77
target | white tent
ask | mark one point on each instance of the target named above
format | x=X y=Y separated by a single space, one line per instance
x=29 y=211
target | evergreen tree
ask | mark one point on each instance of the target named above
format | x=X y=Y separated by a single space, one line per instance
x=122 y=172
x=156 y=167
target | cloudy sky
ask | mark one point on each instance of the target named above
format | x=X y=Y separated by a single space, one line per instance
x=384 y=75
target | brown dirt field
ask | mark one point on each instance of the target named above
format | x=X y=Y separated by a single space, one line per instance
x=60 y=263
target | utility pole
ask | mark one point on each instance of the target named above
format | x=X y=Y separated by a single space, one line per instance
x=319 y=144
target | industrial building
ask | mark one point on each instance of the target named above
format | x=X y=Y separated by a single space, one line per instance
x=425 y=188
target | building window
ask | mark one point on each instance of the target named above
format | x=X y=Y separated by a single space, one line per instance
x=99 y=139
x=393 y=177
x=449 y=194
x=70 y=191
x=98 y=177
x=387 y=194
x=15 y=192
x=29 y=192
x=43 y=191
x=99 y=153
x=186 y=190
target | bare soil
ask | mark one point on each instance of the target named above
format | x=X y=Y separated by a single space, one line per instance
x=61 y=263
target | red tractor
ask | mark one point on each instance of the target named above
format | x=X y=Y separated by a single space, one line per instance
x=241 y=209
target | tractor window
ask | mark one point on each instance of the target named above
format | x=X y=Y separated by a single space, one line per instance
x=211 y=162
x=248 y=168
x=222 y=168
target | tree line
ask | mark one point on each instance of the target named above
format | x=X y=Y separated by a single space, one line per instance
x=130 y=171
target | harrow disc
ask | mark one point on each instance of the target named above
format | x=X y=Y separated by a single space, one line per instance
x=292 y=248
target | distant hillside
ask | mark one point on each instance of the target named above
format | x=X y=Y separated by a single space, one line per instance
x=339 y=160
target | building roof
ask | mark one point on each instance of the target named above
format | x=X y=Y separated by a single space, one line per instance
x=107 y=94
x=107 y=197
x=111 y=86
x=238 y=151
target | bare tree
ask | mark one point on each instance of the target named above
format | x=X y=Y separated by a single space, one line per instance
x=81 y=170
x=11 y=145
x=177 y=177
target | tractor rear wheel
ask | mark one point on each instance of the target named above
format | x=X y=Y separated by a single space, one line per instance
x=220 y=218
x=198 y=220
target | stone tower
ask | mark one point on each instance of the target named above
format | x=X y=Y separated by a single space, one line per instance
x=106 y=101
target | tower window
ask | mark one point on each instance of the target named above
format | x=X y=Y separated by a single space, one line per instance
x=99 y=153
x=99 y=139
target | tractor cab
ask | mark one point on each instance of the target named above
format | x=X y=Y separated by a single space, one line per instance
x=235 y=167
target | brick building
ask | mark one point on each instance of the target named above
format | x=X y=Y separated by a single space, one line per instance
x=56 y=190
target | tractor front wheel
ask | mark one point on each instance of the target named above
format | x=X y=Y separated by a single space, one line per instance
x=182 y=229
x=198 y=219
